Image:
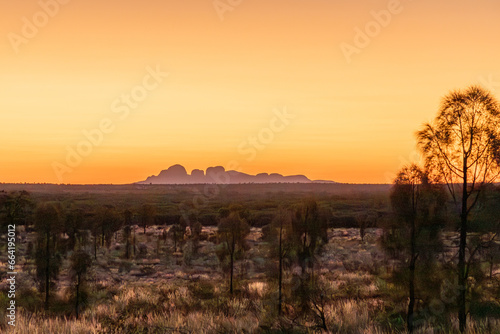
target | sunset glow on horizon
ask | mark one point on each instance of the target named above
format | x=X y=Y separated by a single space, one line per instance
x=329 y=89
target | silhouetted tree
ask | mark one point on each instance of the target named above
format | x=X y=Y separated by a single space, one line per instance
x=462 y=149
x=486 y=224
x=419 y=208
x=196 y=229
x=365 y=219
x=279 y=236
x=310 y=233
x=80 y=264
x=48 y=225
x=106 y=223
x=147 y=215
x=232 y=231
x=15 y=207
x=73 y=224
x=127 y=232
x=483 y=248
x=177 y=232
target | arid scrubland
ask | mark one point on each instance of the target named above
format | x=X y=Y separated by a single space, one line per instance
x=157 y=292
x=334 y=264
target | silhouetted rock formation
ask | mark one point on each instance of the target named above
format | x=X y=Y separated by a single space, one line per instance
x=198 y=176
x=177 y=174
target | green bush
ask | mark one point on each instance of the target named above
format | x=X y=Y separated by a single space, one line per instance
x=29 y=299
x=202 y=290
x=125 y=267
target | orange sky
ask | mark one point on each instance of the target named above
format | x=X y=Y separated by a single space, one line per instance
x=354 y=121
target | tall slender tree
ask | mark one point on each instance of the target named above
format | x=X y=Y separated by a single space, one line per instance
x=278 y=234
x=127 y=231
x=419 y=208
x=80 y=264
x=48 y=224
x=147 y=214
x=405 y=199
x=106 y=222
x=73 y=224
x=232 y=231
x=461 y=148
x=177 y=232
x=310 y=232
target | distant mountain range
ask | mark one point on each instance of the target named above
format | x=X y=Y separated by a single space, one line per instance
x=177 y=174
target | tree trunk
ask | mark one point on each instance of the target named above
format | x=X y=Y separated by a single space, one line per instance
x=77 y=294
x=231 y=279
x=462 y=280
x=175 y=241
x=47 y=272
x=411 y=304
x=133 y=240
x=95 y=245
x=323 y=319
x=280 y=277
x=232 y=267
x=304 y=260
x=127 y=248
x=102 y=236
